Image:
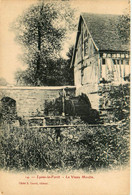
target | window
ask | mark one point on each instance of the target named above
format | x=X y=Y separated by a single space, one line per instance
x=81 y=38
x=85 y=34
x=114 y=61
x=103 y=61
x=127 y=61
x=117 y=61
x=86 y=47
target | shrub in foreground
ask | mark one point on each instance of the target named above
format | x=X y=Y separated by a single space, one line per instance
x=82 y=147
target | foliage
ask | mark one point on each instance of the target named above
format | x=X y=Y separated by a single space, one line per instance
x=117 y=101
x=58 y=73
x=120 y=100
x=124 y=27
x=85 y=147
x=41 y=31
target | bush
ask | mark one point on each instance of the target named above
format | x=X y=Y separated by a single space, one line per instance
x=115 y=102
x=82 y=147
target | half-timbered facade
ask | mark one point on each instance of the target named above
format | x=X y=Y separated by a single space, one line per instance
x=99 y=55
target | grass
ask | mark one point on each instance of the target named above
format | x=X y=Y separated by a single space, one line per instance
x=85 y=147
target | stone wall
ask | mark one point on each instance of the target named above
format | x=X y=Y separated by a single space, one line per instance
x=112 y=100
x=30 y=101
x=91 y=90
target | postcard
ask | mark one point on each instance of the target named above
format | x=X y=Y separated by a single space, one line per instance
x=65 y=97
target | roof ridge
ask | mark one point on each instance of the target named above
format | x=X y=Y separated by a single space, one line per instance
x=99 y=14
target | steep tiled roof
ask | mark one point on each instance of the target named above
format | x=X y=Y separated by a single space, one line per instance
x=104 y=31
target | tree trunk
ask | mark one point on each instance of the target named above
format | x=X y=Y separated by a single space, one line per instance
x=39 y=49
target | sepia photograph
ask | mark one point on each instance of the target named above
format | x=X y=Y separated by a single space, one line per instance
x=65 y=97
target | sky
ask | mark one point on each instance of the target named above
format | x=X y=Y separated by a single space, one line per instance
x=11 y=9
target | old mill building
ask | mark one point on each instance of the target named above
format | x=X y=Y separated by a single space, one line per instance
x=100 y=55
